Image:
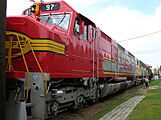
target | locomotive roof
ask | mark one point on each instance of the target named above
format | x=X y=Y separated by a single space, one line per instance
x=123 y=49
x=91 y=22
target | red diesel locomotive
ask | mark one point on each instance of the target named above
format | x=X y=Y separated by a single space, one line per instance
x=57 y=58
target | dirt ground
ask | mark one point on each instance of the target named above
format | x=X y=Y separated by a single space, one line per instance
x=80 y=114
x=144 y=90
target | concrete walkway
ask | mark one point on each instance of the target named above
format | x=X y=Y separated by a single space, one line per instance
x=122 y=111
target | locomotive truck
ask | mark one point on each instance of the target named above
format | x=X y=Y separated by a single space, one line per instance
x=57 y=59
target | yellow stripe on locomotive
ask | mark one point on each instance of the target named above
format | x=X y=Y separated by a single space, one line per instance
x=36 y=44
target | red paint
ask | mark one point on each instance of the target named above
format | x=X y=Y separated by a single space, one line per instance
x=15 y=74
x=77 y=62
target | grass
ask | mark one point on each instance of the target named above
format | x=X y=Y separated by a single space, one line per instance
x=114 y=101
x=150 y=107
x=154 y=82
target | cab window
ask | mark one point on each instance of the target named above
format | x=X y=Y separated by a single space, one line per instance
x=61 y=20
x=77 y=26
x=85 y=34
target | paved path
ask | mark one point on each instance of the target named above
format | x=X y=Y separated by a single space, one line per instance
x=122 y=111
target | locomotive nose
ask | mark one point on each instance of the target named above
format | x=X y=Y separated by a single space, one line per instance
x=15 y=43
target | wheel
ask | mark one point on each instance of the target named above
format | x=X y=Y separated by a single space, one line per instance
x=95 y=97
x=54 y=108
x=79 y=102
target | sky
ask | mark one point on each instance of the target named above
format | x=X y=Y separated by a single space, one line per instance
x=121 y=20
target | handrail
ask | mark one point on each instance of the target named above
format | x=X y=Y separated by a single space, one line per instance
x=28 y=74
x=10 y=67
x=39 y=66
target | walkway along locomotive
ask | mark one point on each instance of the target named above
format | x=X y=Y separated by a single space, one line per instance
x=58 y=59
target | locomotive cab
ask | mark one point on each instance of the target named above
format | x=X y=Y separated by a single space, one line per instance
x=51 y=14
x=72 y=29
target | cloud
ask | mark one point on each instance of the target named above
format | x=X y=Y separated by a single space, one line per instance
x=17 y=7
x=80 y=3
x=122 y=23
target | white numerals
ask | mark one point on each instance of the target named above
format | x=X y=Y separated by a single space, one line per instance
x=47 y=7
x=50 y=7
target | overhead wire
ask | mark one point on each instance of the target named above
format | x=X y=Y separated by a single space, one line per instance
x=139 y=36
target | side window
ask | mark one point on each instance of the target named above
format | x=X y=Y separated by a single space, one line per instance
x=77 y=26
x=85 y=34
x=94 y=33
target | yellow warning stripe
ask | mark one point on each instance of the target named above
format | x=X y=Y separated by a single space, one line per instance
x=46 y=45
x=116 y=73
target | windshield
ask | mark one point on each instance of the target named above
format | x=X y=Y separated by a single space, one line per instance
x=61 y=20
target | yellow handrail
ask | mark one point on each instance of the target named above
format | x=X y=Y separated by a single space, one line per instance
x=45 y=85
x=10 y=67
x=26 y=66
x=28 y=74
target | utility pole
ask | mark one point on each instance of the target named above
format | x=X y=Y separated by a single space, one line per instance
x=2 y=58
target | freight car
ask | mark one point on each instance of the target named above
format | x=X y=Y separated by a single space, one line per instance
x=58 y=59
